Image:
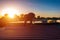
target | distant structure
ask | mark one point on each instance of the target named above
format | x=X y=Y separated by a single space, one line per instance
x=45 y=20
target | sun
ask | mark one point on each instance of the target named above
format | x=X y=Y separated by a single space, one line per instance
x=10 y=11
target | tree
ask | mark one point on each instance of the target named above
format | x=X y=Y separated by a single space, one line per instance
x=38 y=17
x=4 y=20
x=29 y=17
x=21 y=17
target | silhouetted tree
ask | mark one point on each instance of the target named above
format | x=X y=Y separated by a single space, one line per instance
x=42 y=17
x=16 y=17
x=48 y=17
x=38 y=17
x=21 y=16
x=4 y=20
x=29 y=17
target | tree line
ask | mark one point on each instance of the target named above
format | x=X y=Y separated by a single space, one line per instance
x=25 y=17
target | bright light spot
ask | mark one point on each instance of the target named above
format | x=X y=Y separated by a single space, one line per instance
x=50 y=21
x=10 y=11
x=58 y=21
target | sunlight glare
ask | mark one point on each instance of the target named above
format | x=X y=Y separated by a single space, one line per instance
x=10 y=11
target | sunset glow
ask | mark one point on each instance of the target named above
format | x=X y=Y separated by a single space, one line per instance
x=10 y=11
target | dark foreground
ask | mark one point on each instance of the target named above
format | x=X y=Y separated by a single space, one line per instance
x=28 y=31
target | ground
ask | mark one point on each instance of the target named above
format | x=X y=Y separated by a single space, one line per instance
x=31 y=31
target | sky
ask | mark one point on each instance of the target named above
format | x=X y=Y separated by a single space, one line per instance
x=43 y=8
